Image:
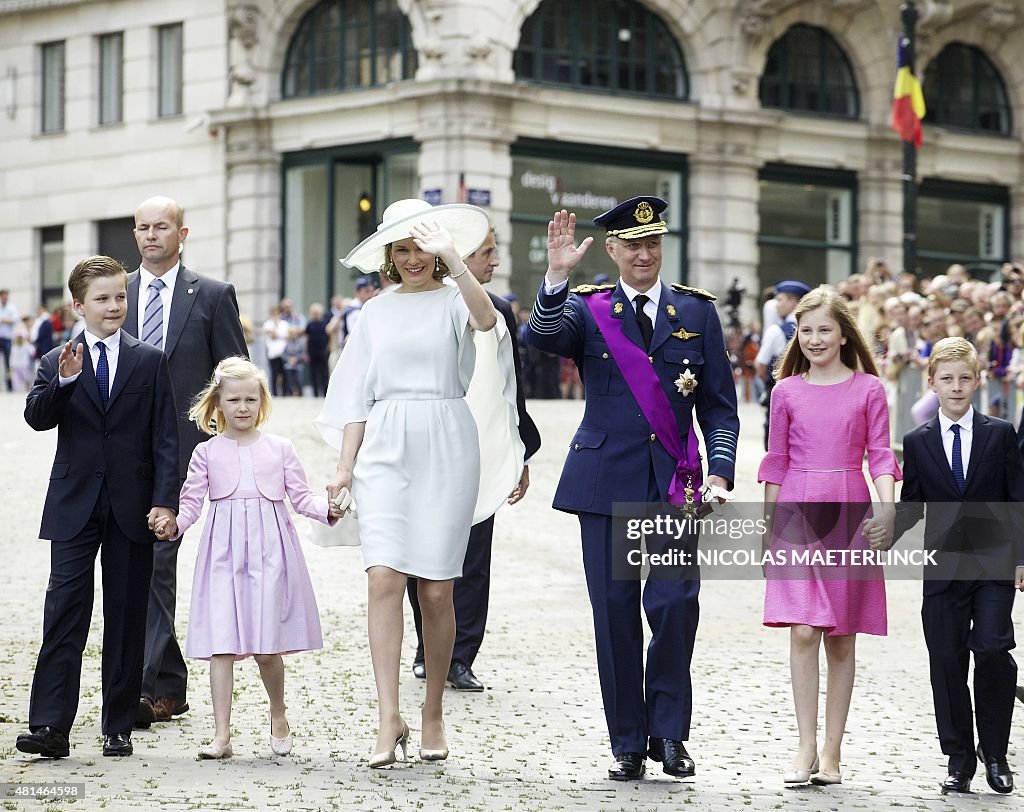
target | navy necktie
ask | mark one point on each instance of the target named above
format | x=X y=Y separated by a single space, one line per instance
x=958 y=459
x=103 y=374
x=642 y=319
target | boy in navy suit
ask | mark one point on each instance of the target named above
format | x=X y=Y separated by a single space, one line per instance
x=967 y=468
x=115 y=474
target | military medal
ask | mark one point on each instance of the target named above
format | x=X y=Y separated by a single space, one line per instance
x=689 y=505
x=617 y=309
x=686 y=382
x=671 y=310
x=682 y=333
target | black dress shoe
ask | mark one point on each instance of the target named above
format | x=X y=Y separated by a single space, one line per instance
x=627 y=767
x=461 y=677
x=117 y=744
x=956 y=781
x=673 y=757
x=419 y=669
x=145 y=715
x=997 y=773
x=46 y=742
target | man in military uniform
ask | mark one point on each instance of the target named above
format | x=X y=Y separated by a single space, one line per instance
x=639 y=331
x=773 y=343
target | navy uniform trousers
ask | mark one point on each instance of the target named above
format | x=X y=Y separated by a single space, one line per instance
x=641 y=701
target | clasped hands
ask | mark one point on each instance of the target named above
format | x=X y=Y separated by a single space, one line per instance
x=339 y=495
x=878 y=530
x=163 y=523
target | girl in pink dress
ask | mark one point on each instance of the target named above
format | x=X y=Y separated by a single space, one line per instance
x=827 y=409
x=251 y=593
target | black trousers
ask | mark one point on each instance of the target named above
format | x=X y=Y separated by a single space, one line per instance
x=471 y=596
x=971 y=616
x=127 y=567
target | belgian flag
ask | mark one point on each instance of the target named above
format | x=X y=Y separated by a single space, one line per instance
x=907 y=100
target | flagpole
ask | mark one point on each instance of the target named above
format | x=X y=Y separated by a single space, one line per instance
x=909 y=16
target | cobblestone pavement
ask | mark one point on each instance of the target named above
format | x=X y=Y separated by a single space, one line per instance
x=535 y=739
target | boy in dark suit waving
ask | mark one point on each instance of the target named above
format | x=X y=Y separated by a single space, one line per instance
x=115 y=474
x=967 y=468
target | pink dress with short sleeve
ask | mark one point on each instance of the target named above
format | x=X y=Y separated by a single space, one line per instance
x=816 y=444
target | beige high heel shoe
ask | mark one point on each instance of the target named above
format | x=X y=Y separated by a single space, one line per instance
x=427 y=754
x=378 y=760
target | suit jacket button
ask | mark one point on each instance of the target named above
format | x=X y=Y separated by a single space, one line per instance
x=653 y=438
x=99 y=474
x=604 y=355
x=106 y=435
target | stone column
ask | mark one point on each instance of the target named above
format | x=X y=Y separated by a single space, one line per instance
x=880 y=205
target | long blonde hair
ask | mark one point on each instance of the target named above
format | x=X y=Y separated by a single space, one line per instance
x=206 y=412
x=854 y=353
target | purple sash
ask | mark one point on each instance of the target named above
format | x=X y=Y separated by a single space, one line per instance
x=643 y=382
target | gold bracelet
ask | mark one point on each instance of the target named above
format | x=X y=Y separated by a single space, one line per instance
x=457 y=275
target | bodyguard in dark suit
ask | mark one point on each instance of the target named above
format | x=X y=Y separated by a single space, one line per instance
x=115 y=470
x=472 y=591
x=649 y=354
x=967 y=468
x=194 y=320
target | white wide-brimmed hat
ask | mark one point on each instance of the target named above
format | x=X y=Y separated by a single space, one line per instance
x=467 y=224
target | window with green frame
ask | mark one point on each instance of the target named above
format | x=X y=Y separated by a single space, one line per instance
x=963 y=89
x=346 y=44
x=610 y=45
x=807 y=71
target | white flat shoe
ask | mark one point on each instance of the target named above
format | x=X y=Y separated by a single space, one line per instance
x=281 y=747
x=827 y=779
x=800 y=776
x=213 y=751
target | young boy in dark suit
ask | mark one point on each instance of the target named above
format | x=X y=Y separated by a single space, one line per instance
x=967 y=468
x=115 y=474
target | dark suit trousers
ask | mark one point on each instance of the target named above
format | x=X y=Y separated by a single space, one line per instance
x=971 y=616
x=639 y=702
x=67 y=611
x=165 y=672
x=471 y=596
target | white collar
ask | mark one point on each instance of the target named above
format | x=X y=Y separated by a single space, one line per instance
x=654 y=294
x=112 y=342
x=146 y=276
x=966 y=422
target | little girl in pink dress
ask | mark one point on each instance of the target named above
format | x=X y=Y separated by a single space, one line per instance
x=825 y=415
x=251 y=593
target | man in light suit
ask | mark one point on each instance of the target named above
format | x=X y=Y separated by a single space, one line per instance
x=650 y=355
x=194 y=320
x=472 y=590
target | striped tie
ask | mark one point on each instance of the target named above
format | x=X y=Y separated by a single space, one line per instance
x=153 y=321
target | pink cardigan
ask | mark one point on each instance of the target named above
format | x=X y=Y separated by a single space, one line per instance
x=214 y=469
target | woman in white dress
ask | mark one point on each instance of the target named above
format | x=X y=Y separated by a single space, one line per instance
x=409 y=449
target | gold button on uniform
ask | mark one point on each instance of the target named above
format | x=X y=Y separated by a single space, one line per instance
x=604 y=355
x=653 y=438
x=650 y=358
x=577 y=447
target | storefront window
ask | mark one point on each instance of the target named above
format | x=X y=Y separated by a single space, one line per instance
x=543 y=183
x=807 y=225
x=961 y=223
x=332 y=200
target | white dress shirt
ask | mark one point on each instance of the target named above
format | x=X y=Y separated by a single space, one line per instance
x=113 y=351
x=145 y=277
x=966 y=424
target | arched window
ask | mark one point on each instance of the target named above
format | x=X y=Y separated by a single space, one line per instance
x=806 y=70
x=963 y=89
x=346 y=44
x=601 y=45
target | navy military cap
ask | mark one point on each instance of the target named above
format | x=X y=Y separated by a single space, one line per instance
x=363 y=282
x=601 y=279
x=794 y=287
x=634 y=218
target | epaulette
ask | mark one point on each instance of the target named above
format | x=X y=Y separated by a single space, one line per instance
x=703 y=294
x=585 y=290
